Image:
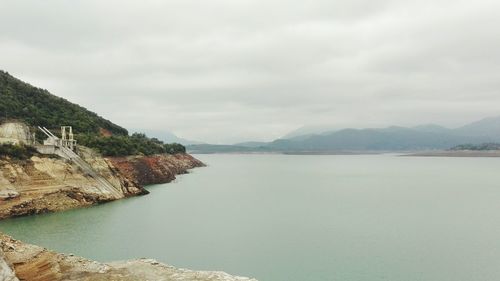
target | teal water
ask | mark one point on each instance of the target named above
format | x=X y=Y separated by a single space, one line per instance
x=299 y=218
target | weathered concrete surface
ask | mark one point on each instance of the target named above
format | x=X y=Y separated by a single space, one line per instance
x=14 y=133
x=154 y=169
x=34 y=263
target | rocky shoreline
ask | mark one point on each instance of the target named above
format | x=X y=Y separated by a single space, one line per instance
x=21 y=261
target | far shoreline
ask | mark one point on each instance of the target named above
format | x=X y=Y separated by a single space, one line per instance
x=293 y=153
x=456 y=153
x=436 y=153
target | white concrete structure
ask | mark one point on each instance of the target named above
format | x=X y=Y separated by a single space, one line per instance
x=67 y=139
x=64 y=148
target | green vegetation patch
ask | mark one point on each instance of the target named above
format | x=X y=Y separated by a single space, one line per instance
x=477 y=147
x=128 y=145
x=21 y=152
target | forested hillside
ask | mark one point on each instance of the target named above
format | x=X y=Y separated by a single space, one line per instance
x=37 y=107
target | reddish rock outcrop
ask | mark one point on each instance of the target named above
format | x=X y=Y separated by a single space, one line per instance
x=154 y=169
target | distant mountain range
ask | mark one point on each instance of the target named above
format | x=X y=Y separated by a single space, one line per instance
x=423 y=137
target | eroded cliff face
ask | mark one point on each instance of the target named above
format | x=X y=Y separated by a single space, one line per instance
x=154 y=169
x=50 y=183
x=106 y=168
x=34 y=263
x=47 y=184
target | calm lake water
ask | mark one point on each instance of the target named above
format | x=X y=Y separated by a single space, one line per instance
x=299 y=218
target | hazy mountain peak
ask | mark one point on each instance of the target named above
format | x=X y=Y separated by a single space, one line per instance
x=310 y=130
x=431 y=128
x=489 y=126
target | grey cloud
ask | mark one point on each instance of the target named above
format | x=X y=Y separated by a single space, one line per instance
x=224 y=70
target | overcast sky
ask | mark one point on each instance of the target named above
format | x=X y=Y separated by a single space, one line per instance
x=229 y=70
